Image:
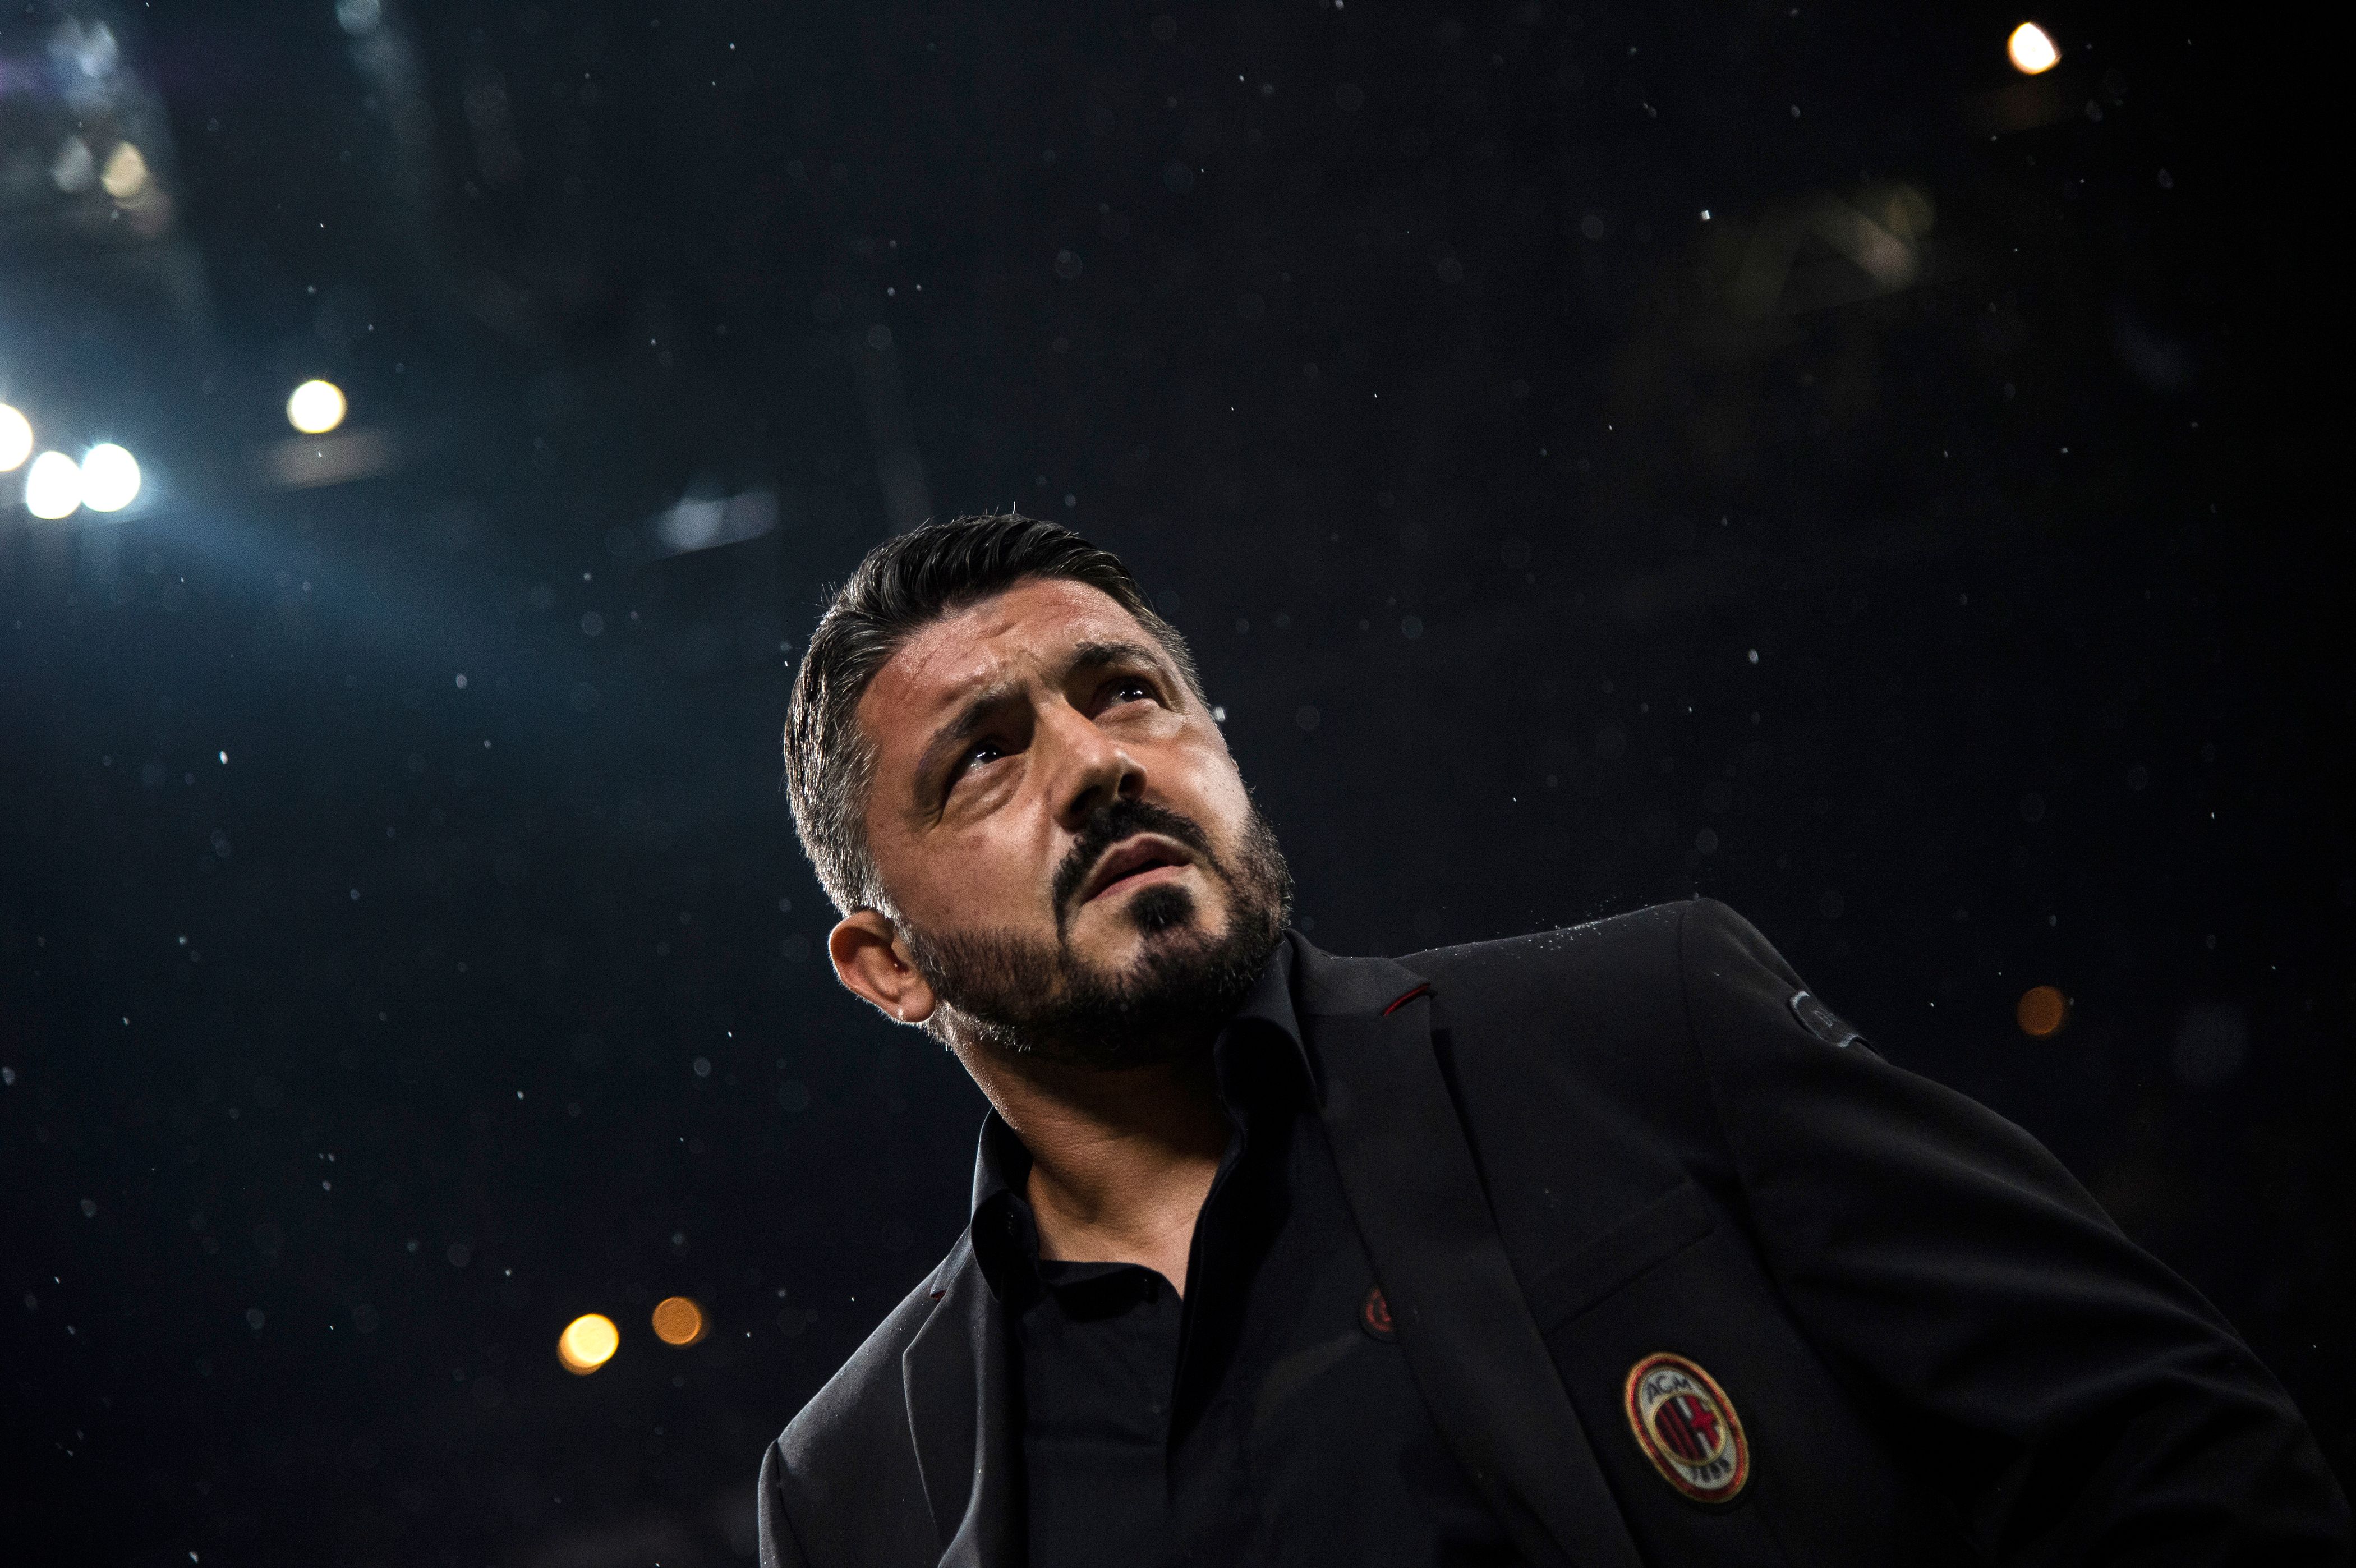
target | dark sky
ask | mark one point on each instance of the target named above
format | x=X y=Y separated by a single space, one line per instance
x=1602 y=453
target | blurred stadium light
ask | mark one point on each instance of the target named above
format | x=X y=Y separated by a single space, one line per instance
x=587 y=1343
x=2031 y=50
x=110 y=477
x=315 y=407
x=53 y=486
x=704 y=522
x=15 y=439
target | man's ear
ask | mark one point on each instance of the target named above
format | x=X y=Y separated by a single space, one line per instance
x=871 y=959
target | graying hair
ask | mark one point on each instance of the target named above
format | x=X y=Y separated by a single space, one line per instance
x=904 y=585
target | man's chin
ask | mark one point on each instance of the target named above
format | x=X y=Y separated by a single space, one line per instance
x=1113 y=935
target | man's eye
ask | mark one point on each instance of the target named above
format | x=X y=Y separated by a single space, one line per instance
x=988 y=751
x=1131 y=690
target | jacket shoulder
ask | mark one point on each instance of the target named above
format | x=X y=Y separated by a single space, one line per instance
x=849 y=1445
x=1642 y=941
x=865 y=1389
x=1656 y=943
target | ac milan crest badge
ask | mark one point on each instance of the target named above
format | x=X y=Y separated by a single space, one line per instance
x=1687 y=1428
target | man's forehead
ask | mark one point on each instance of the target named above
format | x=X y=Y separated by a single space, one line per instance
x=1031 y=627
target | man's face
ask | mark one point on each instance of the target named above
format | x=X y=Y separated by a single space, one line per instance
x=1075 y=862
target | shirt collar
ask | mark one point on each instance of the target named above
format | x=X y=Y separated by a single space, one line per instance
x=1258 y=1052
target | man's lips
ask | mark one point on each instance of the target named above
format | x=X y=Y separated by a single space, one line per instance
x=1133 y=858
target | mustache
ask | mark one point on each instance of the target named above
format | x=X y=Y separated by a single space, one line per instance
x=1110 y=823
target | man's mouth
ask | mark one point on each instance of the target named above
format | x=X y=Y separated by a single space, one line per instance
x=1131 y=860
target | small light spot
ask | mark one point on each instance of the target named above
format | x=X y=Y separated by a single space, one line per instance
x=2042 y=1012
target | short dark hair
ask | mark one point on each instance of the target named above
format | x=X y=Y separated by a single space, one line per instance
x=904 y=585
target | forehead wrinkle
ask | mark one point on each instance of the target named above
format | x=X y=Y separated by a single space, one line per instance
x=908 y=677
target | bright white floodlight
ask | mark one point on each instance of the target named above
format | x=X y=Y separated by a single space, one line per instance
x=53 y=486
x=2032 y=49
x=315 y=407
x=15 y=439
x=110 y=477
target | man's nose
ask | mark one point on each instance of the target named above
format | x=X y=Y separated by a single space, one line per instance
x=1092 y=769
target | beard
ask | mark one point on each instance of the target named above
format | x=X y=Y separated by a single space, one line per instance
x=1024 y=996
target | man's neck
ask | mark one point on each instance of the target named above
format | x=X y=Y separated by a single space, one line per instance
x=1120 y=1161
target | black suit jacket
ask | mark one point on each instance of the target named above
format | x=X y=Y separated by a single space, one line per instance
x=1569 y=1152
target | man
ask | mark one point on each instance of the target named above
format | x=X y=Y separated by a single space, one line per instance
x=1600 y=1247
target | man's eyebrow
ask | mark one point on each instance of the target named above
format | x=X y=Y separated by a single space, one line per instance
x=1098 y=655
x=973 y=716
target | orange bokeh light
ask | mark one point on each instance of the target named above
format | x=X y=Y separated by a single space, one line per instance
x=2042 y=1012
x=678 y=1320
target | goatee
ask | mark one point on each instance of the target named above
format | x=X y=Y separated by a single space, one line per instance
x=1042 y=999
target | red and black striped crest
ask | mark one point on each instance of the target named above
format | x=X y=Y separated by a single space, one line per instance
x=1687 y=1428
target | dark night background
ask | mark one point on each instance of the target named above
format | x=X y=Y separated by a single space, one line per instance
x=1934 y=552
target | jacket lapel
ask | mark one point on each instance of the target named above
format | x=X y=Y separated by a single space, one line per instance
x=1409 y=1176
x=955 y=1372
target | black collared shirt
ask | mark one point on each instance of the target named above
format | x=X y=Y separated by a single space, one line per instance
x=1267 y=1418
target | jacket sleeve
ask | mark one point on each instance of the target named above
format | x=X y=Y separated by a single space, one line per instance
x=2078 y=1401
